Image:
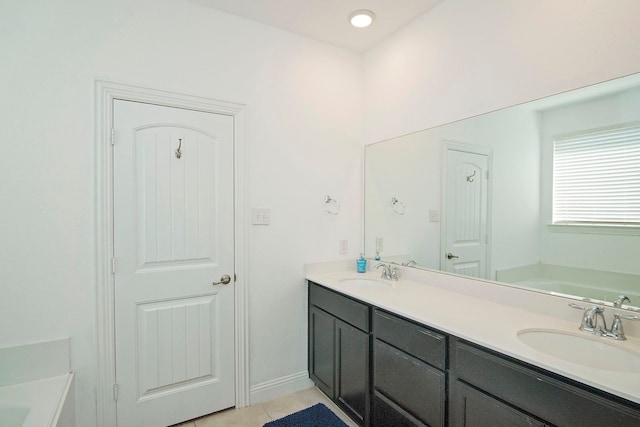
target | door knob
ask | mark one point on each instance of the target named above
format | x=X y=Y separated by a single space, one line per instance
x=451 y=256
x=224 y=280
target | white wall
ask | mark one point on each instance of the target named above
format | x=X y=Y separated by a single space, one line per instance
x=303 y=137
x=468 y=57
x=407 y=169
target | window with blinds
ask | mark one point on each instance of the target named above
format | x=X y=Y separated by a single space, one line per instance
x=596 y=177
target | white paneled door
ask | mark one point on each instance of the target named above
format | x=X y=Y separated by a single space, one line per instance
x=466 y=193
x=173 y=238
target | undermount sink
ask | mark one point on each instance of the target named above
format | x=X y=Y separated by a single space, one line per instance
x=590 y=351
x=366 y=283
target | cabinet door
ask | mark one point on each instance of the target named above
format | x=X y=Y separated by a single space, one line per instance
x=352 y=355
x=417 y=387
x=322 y=350
x=471 y=408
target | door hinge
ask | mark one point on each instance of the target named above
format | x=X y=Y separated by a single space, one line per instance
x=235 y=278
x=116 y=391
x=487 y=174
x=113 y=265
x=113 y=136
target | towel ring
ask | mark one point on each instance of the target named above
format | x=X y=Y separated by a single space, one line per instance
x=331 y=206
x=397 y=206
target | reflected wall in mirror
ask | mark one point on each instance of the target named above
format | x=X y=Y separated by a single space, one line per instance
x=476 y=197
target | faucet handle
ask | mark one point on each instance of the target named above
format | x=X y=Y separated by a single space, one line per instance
x=617 y=331
x=394 y=273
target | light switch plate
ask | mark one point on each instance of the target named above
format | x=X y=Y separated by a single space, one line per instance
x=344 y=247
x=260 y=216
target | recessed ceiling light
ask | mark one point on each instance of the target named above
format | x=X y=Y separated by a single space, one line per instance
x=361 y=18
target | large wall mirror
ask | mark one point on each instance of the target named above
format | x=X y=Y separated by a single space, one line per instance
x=543 y=195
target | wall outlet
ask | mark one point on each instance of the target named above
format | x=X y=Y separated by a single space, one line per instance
x=379 y=244
x=344 y=247
x=434 y=215
x=260 y=216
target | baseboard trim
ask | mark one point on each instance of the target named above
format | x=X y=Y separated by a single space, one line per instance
x=280 y=387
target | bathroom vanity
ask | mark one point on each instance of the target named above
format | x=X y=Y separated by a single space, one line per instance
x=407 y=353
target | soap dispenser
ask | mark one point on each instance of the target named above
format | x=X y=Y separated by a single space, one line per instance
x=362 y=264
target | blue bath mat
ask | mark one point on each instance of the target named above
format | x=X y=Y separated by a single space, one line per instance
x=317 y=415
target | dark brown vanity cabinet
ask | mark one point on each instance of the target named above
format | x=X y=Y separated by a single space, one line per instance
x=490 y=389
x=339 y=349
x=409 y=373
x=384 y=370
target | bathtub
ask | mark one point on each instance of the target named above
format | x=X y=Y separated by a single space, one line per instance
x=36 y=385
x=42 y=403
x=563 y=288
x=585 y=283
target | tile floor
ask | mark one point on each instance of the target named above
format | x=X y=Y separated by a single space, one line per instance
x=261 y=413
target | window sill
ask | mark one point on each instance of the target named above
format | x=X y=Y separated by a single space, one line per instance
x=619 y=230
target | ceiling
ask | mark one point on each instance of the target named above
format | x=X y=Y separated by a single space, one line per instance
x=327 y=20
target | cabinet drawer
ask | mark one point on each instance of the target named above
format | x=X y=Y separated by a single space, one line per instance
x=419 y=341
x=472 y=408
x=540 y=394
x=386 y=413
x=345 y=308
x=409 y=382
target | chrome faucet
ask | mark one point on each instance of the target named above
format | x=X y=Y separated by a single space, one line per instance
x=590 y=320
x=388 y=272
x=593 y=320
x=617 y=331
x=621 y=299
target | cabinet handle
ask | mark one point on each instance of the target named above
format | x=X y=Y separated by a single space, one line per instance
x=430 y=334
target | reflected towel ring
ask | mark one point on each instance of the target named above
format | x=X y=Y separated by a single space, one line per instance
x=331 y=206
x=397 y=206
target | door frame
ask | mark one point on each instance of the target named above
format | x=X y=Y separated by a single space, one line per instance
x=105 y=92
x=473 y=149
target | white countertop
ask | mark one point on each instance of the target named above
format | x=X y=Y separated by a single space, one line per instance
x=491 y=324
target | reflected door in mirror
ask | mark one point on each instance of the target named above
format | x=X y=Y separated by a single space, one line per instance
x=465 y=227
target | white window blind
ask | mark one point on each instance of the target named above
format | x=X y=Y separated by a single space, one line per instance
x=596 y=177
